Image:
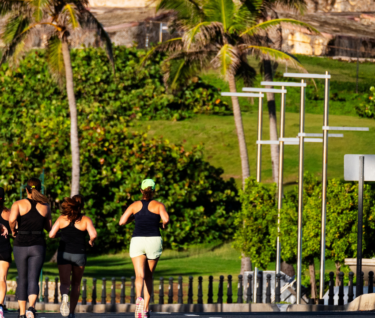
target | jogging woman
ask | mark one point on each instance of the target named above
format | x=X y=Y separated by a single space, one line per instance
x=71 y=255
x=32 y=216
x=146 y=244
x=5 y=251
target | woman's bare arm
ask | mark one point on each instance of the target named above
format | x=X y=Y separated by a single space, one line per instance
x=92 y=231
x=128 y=216
x=48 y=221
x=14 y=213
x=55 y=229
x=164 y=215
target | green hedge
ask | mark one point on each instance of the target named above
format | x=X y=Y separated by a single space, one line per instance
x=257 y=238
x=34 y=133
x=134 y=91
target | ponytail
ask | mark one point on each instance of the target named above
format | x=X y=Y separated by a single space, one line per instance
x=72 y=208
x=34 y=186
x=148 y=194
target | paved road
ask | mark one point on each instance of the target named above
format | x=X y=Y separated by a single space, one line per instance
x=216 y=315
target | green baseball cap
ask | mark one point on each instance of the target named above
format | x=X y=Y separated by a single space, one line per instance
x=148 y=183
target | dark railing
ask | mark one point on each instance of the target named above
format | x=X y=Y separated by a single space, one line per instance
x=118 y=288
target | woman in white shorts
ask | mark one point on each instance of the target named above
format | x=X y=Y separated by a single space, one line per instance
x=146 y=245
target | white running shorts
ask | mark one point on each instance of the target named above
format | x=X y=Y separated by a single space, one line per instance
x=151 y=246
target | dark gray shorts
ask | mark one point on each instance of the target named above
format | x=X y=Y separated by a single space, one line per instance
x=64 y=258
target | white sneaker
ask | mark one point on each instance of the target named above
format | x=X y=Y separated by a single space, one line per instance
x=31 y=312
x=139 y=308
x=64 y=308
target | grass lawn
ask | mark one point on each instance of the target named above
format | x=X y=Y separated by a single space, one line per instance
x=343 y=97
x=195 y=262
x=218 y=135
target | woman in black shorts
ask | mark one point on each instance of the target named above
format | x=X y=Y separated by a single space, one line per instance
x=71 y=255
x=5 y=250
x=33 y=216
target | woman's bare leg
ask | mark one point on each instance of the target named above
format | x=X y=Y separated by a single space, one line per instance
x=4 y=267
x=76 y=286
x=139 y=264
x=148 y=287
x=65 y=272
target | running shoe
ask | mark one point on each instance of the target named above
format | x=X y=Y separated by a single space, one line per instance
x=1 y=311
x=140 y=308
x=72 y=316
x=31 y=313
x=64 y=309
x=147 y=314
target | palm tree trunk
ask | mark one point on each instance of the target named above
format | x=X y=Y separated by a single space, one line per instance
x=240 y=132
x=273 y=121
x=312 y=278
x=245 y=261
x=74 y=142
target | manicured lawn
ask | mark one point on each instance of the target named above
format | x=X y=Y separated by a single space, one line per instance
x=217 y=134
x=343 y=97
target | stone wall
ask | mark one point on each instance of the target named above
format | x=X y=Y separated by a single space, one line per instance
x=340 y=6
x=121 y=3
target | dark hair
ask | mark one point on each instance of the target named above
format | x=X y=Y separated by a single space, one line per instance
x=148 y=194
x=72 y=208
x=34 y=186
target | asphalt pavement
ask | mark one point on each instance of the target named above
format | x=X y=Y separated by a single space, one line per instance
x=215 y=315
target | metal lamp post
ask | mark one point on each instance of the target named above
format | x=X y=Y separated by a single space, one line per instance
x=261 y=142
x=281 y=166
x=325 y=128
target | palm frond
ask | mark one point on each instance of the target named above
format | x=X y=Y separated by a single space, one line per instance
x=202 y=34
x=88 y=20
x=188 y=10
x=245 y=17
x=38 y=6
x=72 y=15
x=297 y=5
x=14 y=35
x=276 y=55
x=8 y=6
x=220 y=11
x=171 y=45
x=55 y=57
x=227 y=59
x=276 y=22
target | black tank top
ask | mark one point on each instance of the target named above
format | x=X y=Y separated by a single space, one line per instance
x=72 y=240
x=32 y=221
x=5 y=242
x=146 y=222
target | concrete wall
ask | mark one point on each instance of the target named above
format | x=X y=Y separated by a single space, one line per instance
x=340 y=5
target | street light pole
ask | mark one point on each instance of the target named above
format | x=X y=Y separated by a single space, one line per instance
x=300 y=191
x=324 y=189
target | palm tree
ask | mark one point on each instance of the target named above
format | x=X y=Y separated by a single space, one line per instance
x=56 y=18
x=219 y=34
x=268 y=10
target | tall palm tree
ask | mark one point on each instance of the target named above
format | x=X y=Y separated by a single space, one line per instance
x=56 y=19
x=219 y=34
x=268 y=10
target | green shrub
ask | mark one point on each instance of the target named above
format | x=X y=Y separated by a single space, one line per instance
x=257 y=238
x=34 y=135
x=367 y=109
x=134 y=91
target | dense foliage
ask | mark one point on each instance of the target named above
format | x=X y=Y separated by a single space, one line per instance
x=34 y=133
x=134 y=91
x=259 y=210
x=367 y=109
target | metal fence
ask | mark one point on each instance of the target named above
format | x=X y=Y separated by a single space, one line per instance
x=196 y=291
